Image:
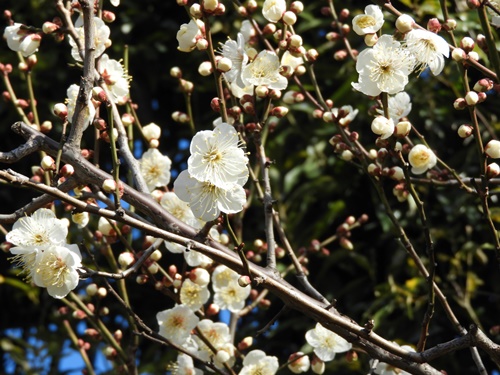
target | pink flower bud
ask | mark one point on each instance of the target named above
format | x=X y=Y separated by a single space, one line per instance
x=61 y=111
x=467 y=44
x=108 y=16
x=434 y=25
x=465 y=131
x=48 y=163
x=493 y=170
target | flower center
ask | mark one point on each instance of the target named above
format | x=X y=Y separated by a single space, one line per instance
x=212 y=157
x=53 y=271
x=176 y=321
x=366 y=21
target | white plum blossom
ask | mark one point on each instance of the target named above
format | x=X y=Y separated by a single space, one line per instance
x=177 y=323
x=185 y=366
x=114 y=75
x=235 y=51
x=155 y=168
x=89 y=110
x=383 y=68
x=56 y=269
x=216 y=157
x=399 y=106
x=101 y=37
x=193 y=295
x=383 y=126
x=188 y=35
x=42 y=229
x=383 y=368
x=258 y=363
x=370 y=22
x=247 y=30
x=428 y=48
x=228 y=294
x=20 y=40
x=273 y=10
x=326 y=343
x=217 y=333
x=421 y=158
x=264 y=70
x=207 y=200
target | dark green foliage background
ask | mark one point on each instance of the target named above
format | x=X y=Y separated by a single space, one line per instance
x=315 y=191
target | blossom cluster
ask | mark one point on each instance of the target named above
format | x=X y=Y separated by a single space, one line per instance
x=40 y=248
x=217 y=171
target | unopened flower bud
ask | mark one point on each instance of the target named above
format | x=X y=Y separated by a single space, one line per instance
x=317 y=366
x=222 y=356
x=396 y=173
x=125 y=259
x=205 y=68
x=403 y=128
x=473 y=56
x=473 y=4
x=465 y=131
x=176 y=72
x=48 y=163
x=404 y=23
x=279 y=111
x=224 y=64
x=295 y=41
x=244 y=281
x=46 y=127
x=245 y=343
x=102 y=292
x=109 y=185
x=61 y=110
x=199 y=276
x=298 y=363
x=289 y=18
x=493 y=170
x=492 y=149
x=450 y=24
x=371 y=39
x=467 y=44
x=153 y=268
x=471 y=98
x=91 y=289
x=108 y=16
x=156 y=255
x=201 y=44
x=49 y=27
x=340 y=55
x=460 y=103
x=458 y=54
x=297 y=7
x=151 y=131
x=483 y=85
x=67 y=170
x=261 y=91
x=347 y=155
x=212 y=309
x=187 y=86
x=434 y=25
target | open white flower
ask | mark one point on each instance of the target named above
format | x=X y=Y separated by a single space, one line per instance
x=216 y=157
x=428 y=48
x=326 y=343
x=155 y=168
x=114 y=75
x=370 y=22
x=42 y=229
x=235 y=51
x=188 y=35
x=185 y=366
x=228 y=293
x=101 y=36
x=264 y=70
x=20 y=40
x=56 y=269
x=258 y=363
x=216 y=333
x=383 y=68
x=89 y=110
x=273 y=10
x=399 y=106
x=207 y=200
x=421 y=159
x=193 y=295
x=177 y=323
x=383 y=126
